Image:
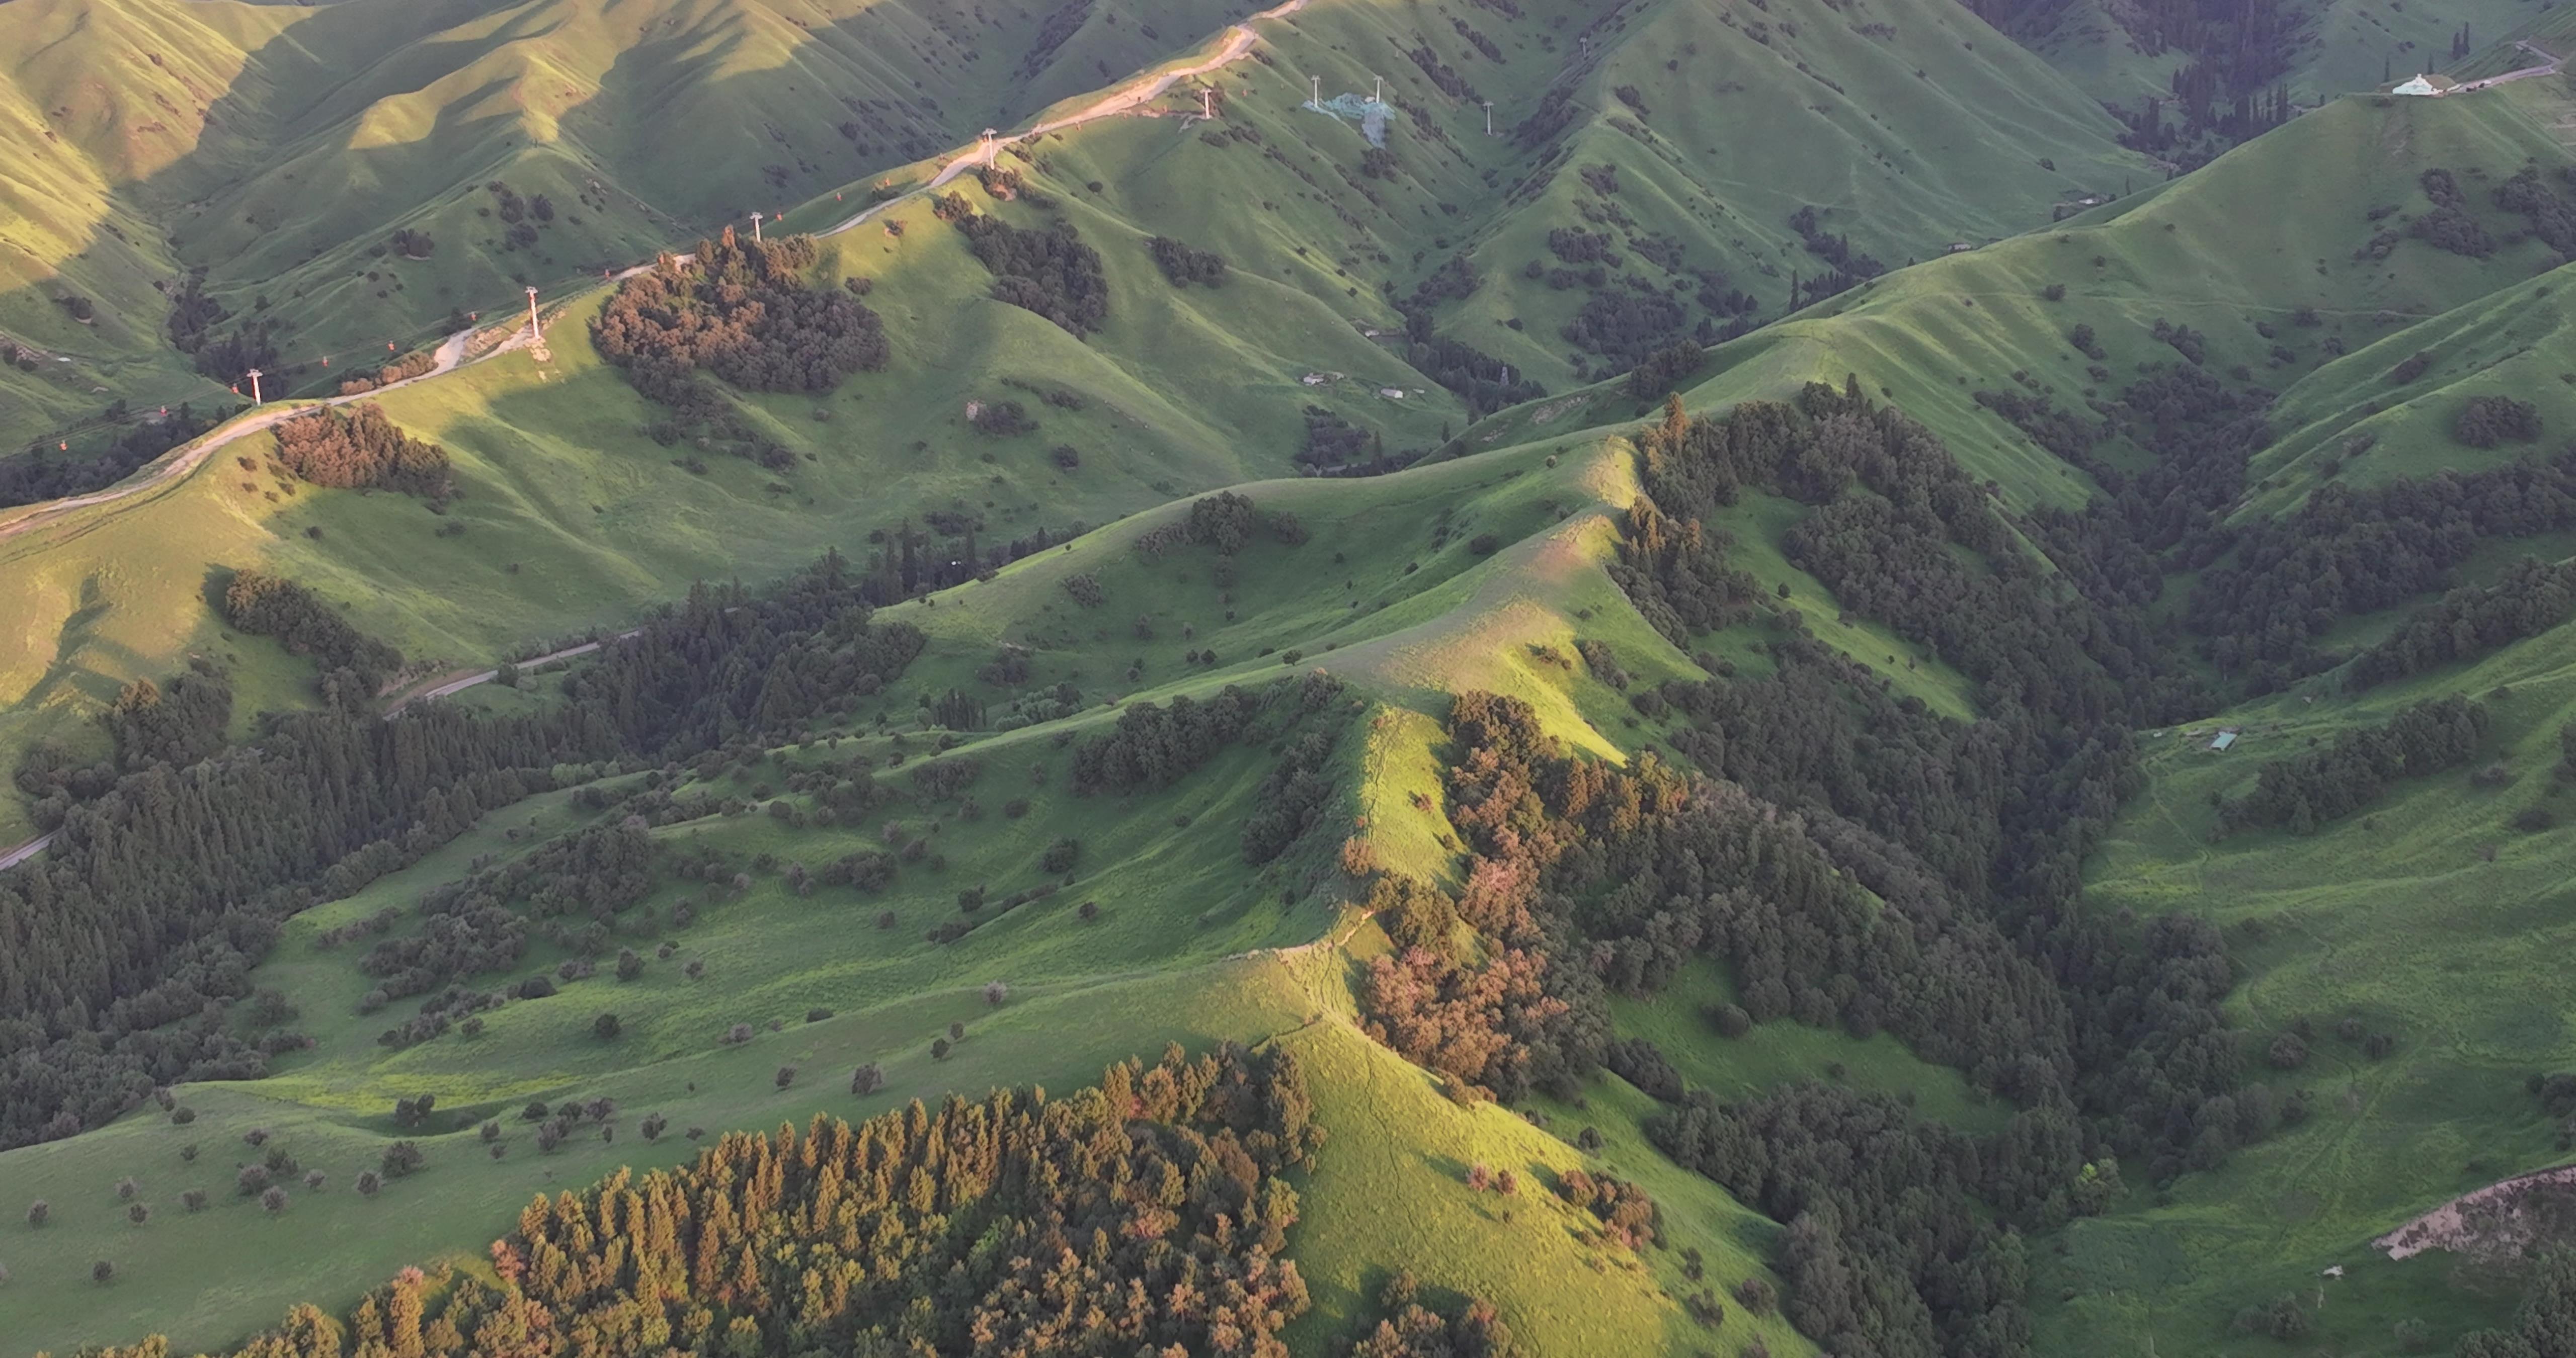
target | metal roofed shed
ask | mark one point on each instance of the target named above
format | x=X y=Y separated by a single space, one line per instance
x=2219 y=743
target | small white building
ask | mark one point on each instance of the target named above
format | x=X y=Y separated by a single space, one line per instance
x=2420 y=85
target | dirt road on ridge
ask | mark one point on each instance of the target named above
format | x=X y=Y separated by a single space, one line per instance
x=451 y=352
x=451 y=355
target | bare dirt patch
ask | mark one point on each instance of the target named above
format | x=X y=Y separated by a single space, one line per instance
x=2499 y=1221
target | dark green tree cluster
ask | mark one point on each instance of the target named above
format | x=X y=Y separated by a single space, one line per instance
x=1154 y=747
x=2347 y=552
x=2124 y=1029
x=2526 y=600
x=1333 y=443
x=480 y=923
x=351 y=452
x=1665 y=370
x=1626 y=323
x=742 y=311
x=274 y=606
x=2552 y=216
x=1407 y=1327
x=1146 y=1215
x=1677 y=574
x=2546 y=1324
x=1293 y=796
x=180 y=724
x=1226 y=521
x=1185 y=264
x=2317 y=787
x=2449 y=226
x=1484 y=382
x=1048 y=271
x=2486 y=421
x=1887 y=1250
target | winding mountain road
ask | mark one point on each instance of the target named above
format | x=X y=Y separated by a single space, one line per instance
x=450 y=356
x=2549 y=66
x=451 y=353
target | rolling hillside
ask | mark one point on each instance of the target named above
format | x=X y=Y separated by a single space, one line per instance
x=1745 y=873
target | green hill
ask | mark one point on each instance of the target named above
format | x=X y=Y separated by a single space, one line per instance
x=1841 y=864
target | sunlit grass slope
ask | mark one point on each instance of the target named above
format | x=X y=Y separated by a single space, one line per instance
x=1189 y=945
x=278 y=147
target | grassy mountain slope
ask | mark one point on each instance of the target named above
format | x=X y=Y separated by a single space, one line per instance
x=1188 y=945
x=1480 y=570
x=277 y=148
x=1189 y=388
x=2272 y=236
x=2397 y=917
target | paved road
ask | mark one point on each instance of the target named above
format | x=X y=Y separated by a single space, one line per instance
x=460 y=683
x=1239 y=39
x=172 y=467
x=451 y=353
x=25 y=851
x=2549 y=66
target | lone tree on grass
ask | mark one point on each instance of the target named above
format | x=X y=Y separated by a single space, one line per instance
x=401 y=1159
x=274 y=1200
x=37 y=1211
x=939 y=1049
x=102 y=1272
x=368 y=1183
x=126 y=1188
x=867 y=1079
x=786 y=1076
x=996 y=993
x=604 y=1027
x=251 y=1180
x=138 y=1213
x=194 y=1200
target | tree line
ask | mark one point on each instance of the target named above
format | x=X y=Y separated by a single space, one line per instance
x=1865 y=864
x=2528 y=599
x=165 y=885
x=2306 y=791
x=2347 y=552
x=1148 y=1214
x=305 y=624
